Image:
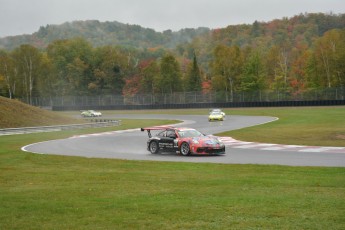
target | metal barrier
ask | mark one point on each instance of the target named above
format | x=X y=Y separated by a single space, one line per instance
x=39 y=129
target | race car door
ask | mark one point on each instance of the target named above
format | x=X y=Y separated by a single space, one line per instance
x=167 y=142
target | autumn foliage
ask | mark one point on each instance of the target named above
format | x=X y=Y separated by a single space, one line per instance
x=287 y=55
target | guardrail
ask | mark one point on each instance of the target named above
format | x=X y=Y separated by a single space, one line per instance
x=39 y=129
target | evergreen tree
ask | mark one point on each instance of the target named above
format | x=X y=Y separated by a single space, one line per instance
x=117 y=80
x=194 y=78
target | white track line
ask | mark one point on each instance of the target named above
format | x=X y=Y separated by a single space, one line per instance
x=233 y=143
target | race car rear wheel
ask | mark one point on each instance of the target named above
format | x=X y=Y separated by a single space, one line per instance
x=153 y=147
x=185 y=150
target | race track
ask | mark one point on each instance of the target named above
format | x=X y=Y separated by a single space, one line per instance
x=131 y=145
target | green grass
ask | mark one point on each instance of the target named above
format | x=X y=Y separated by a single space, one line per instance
x=319 y=126
x=58 y=192
x=53 y=192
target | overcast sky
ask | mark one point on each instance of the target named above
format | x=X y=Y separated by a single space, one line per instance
x=19 y=17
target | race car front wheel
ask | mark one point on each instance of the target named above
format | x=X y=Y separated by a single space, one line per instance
x=185 y=150
x=153 y=147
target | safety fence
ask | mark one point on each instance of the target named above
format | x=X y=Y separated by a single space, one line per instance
x=326 y=94
x=204 y=105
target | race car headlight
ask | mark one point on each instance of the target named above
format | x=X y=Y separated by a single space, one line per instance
x=195 y=141
x=220 y=142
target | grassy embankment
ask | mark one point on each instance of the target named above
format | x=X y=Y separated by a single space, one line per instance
x=14 y=114
x=57 y=192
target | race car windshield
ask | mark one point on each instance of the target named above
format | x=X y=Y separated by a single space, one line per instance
x=190 y=133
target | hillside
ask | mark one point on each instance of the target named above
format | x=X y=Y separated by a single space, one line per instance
x=15 y=114
x=306 y=26
x=103 y=33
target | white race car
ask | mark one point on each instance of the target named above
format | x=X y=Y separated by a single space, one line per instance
x=91 y=113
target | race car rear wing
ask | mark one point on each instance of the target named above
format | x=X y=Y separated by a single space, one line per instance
x=148 y=129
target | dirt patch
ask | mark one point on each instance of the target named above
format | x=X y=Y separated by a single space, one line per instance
x=340 y=136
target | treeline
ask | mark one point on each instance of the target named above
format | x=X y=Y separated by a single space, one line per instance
x=289 y=55
x=103 y=34
x=74 y=67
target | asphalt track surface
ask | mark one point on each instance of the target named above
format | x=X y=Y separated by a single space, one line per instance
x=131 y=145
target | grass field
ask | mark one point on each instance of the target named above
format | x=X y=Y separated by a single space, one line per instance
x=319 y=126
x=57 y=192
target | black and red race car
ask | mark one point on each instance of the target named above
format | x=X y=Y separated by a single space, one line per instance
x=185 y=141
